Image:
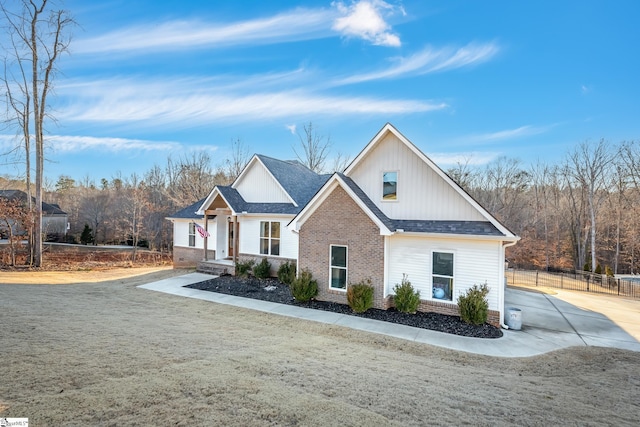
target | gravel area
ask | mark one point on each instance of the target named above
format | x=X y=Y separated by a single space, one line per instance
x=275 y=291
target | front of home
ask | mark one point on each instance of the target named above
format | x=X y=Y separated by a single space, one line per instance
x=391 y=214
x=251 y=215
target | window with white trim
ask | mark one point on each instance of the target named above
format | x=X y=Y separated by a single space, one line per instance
x=442 y=275
x=390 y=186
x=269 y=238
x=192 y=234
x=338 y=269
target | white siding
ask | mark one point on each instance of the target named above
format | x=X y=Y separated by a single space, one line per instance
x=475 y=262
x=181 y=234
x=422 y=193
x=258 y=186
x=250 y=236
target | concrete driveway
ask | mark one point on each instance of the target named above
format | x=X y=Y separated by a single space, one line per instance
x=566 y=318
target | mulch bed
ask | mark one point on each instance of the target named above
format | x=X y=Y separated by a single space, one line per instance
x=279 y=293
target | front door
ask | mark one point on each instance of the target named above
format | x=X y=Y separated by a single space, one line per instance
x=232 y=242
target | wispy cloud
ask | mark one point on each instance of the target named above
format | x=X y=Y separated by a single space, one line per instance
x=365 y=19
x=471 y=158
x=502 y=135
x=298 y=24
x=430 y=60
x=190 y=102
x=292 y=129
x=66 y=143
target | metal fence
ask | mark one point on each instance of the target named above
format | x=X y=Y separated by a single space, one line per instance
x=576 y=280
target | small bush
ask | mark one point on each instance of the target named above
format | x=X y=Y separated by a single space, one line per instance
x=474 y=305
x=244 y=267
x=406 y=298
x=608 y=271
x=262 y=270
x=360 y=296
x=598 y=269
x=304 y=288
x=287 y=272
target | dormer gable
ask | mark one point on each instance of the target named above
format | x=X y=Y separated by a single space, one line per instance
x=257 y=184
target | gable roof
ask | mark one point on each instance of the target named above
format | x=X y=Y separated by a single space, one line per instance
x=189 y=212
x=47 y=208
x=296 y=180
x=389 y=128
x=390 y=226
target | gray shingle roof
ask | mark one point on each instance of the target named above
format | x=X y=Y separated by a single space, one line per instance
x=478 y=228
x=189 y=212
x=298 y=180
x=47 y=209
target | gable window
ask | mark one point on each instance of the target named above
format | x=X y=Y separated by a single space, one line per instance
x=442 y=274
x=192 y=234
x=390 y=186
x=269 y=238
x=338 y=267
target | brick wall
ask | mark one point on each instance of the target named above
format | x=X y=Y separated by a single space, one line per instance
x=340 y=221
x=275 y=261
x=189 y=257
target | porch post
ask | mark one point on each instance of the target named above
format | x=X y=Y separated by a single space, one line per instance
x=206 y=240
x=235 y=240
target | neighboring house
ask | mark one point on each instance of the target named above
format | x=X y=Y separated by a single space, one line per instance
x=55 y=222
x=392 y=213
x=251 y=215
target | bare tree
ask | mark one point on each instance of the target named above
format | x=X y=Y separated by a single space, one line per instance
x=589 y=165
x=314 y=148
x=38 y=37
x=239 y=158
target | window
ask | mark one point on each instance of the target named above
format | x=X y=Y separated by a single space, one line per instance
x=192 y=234
x=390 y=186
x=443 y=275
x=338 y=267
x=269 y=238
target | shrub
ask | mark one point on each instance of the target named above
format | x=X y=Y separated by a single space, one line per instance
x=474 y=305
x=598 y=269
x=262 y=270
x=360 y=296
x=608 y=271
x=406 y=298
x=244 y=267
x=287 y=272
x=304 y=288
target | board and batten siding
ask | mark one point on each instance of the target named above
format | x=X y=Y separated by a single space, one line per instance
x=181 y=234
x=250 y=236
x=422 y=193
x=258 y=186
x=475 y=262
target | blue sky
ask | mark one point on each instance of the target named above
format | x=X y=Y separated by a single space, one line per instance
x=463 y=80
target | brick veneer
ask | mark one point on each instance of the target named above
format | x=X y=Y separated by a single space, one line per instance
x=340 y=221
x=189 y=257
x=276 y=262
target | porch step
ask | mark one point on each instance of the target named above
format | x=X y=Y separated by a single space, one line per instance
x=215 y=269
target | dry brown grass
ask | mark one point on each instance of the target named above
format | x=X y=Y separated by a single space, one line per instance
x=111 y=354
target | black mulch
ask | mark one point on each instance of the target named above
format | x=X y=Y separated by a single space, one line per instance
x=254 y=288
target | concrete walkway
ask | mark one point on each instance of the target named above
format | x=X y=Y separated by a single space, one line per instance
x=548 y=323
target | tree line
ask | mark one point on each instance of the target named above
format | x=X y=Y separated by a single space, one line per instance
x=582 y=213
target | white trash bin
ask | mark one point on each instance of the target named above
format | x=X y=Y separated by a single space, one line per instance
x=514 y=318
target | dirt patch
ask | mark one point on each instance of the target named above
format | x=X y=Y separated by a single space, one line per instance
x=109 y=353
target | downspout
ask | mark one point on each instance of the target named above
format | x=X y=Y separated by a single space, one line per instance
x=504 y=246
